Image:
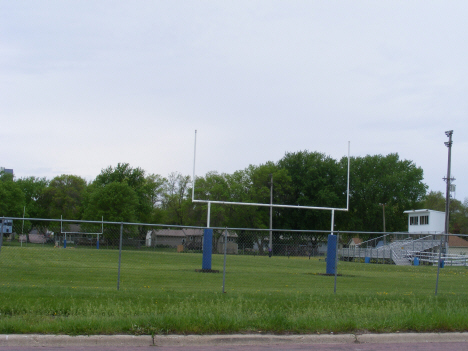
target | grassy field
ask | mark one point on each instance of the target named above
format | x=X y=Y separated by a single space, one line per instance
x=74 y=291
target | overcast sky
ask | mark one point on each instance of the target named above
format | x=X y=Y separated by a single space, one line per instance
x=88 y=84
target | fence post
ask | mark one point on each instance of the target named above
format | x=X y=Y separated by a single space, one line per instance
x=1 y=233
x=225 y=252
x=439 y=261
x=120 y=255
x=336 y=260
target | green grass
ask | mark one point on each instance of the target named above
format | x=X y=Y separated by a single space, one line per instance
x=74 y=291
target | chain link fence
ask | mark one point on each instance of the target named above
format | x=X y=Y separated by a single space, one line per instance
x=106 y=255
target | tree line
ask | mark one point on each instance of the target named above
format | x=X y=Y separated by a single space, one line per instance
x=128 y=194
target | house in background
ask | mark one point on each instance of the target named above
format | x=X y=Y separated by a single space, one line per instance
x=457 y=245
x=354 y=242
x=36 y=236
x=426 y=221
x=168 y=237
x=231 y=247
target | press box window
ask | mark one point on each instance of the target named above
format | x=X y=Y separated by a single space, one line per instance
x=413 y=220
x=424 y=220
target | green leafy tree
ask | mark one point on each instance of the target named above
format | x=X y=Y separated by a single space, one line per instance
x=458 y=211
x=434 y=200
x=33 y=189
x=116 y=202
x=251 y=185
x=148 y=189
x=316 y=180
x=11 y=196
x=377 y=180
x=256 y=188
x=175 y=200
x=459 y=219
x=64 y=197
x=154 y=193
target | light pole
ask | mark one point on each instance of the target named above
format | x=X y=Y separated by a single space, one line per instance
x=444 y=238
x=383 y=209
x=447 y=192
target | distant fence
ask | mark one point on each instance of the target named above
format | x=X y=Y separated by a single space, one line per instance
x=70 y=248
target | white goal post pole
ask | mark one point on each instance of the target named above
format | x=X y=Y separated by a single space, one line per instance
x=332 y=222
x=194 y=156
x=347 y=190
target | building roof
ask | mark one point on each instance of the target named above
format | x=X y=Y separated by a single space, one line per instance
x=356 y=241
x=456 y=241
x=177 y=232
x=421 y=211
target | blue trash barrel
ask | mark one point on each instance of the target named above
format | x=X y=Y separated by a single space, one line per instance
x=442 y=263
x=367 y=260
x=416 y=261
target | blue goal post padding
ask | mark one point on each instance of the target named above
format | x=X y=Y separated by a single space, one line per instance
x=207 y=248
x=331 y=254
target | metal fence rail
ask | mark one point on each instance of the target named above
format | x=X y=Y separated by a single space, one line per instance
x=140 y=255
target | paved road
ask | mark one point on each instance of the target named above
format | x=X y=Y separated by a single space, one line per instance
x=445 y=346
x=324 y=342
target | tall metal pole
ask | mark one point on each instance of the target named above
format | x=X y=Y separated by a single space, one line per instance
x=447 y=192
x=347 y=186
x=383 y=212
x=444 y=237
x=270 y=246
x=194 y=155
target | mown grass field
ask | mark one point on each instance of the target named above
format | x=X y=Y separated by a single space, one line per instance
x=74 y=291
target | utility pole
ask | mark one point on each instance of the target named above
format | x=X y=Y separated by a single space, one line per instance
x=383 y=209
x=448 y=179
x=444 y=238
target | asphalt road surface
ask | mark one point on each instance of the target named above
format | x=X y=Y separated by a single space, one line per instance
x=251 y=342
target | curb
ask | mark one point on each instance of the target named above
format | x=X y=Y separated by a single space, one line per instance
x=214 y=340
x=80 y=340
x=251 y=339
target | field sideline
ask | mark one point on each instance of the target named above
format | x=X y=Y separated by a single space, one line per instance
x=74 y=291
